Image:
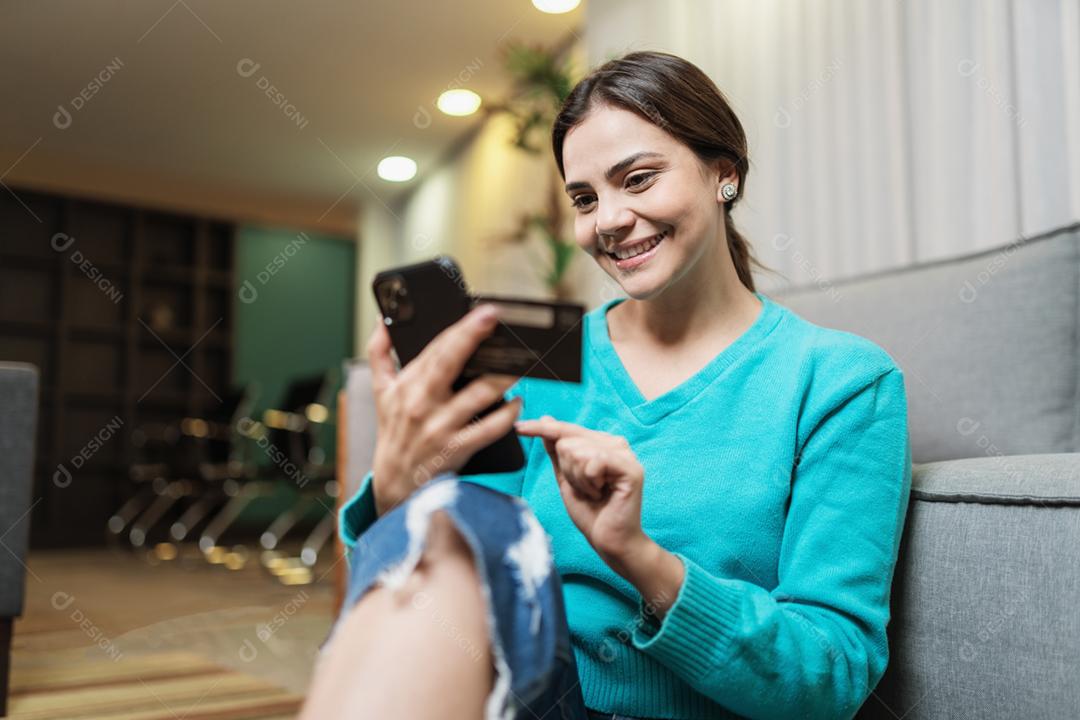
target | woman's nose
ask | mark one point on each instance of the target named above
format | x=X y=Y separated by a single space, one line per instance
x=612 y=220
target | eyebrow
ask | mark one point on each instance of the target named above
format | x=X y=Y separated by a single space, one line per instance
x=616 y=168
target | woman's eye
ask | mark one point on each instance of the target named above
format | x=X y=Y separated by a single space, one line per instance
x=639 y=179
x=581 y=201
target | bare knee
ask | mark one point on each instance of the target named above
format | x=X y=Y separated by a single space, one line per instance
x=416 y=635
x=445 y=545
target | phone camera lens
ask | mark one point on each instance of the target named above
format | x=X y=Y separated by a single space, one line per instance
x=394 y=298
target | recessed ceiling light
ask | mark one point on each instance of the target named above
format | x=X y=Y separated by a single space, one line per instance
x=397 y=168
x=555 y=6
x=459 y=102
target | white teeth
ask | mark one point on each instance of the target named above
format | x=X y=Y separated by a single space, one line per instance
x=640 y=248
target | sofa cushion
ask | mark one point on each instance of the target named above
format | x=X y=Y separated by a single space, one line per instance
x=1044 y=480
x=989 y=344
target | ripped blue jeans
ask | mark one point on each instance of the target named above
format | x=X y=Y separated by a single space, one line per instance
x=535 y=670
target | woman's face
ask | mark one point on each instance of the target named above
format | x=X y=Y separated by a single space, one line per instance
x=632 y=184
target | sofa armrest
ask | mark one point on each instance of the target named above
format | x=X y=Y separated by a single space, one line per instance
x=986 y=585
x=1048 y=479
x=18 y=423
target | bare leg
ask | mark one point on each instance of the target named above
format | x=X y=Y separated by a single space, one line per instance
x=421 y=652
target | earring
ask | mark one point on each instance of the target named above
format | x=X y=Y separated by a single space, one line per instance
x=729 y=191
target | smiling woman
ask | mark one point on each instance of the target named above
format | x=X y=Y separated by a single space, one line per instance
x=680 y=122
x=723 y=491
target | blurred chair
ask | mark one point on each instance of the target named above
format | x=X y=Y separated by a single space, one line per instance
x=289 y=436
x=18 y=425
x=154 y=446
x=198 y=460
x=224 y=458
x=296 y=446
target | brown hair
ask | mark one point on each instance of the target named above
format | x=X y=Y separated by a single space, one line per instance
x=676 y=96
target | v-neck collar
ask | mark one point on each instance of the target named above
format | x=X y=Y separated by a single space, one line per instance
x=650 y=411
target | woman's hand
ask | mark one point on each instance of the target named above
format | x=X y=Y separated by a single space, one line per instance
x=600 y=480
x=424 y=428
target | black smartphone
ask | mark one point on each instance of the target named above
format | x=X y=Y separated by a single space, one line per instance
x=417 y=303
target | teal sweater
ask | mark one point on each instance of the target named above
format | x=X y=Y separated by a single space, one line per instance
x=779 y=474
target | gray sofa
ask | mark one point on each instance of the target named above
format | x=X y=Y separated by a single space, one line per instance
x=18 y=423
x=986 y=599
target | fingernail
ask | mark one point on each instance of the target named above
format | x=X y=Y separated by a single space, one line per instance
x=485 y=313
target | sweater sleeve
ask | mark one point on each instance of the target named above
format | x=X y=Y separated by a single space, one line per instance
x=357 y=514
x=815 y=646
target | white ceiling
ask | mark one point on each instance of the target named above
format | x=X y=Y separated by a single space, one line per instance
x=357 y=73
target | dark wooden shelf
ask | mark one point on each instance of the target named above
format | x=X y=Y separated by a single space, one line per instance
x=179 y=339
x=221 y=280
x=159 y=398
x=84 y=329
x=165 y=275
x=9 y=259
x=25 y=327
x=110 y=272
x=100 y=332
x=85 y=396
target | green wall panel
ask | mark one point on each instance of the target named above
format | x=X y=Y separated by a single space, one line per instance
x=294 y=311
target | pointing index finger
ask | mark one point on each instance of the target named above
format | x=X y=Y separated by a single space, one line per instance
x=548 y=428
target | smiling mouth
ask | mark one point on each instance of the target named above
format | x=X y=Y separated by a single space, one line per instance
x=637 y=249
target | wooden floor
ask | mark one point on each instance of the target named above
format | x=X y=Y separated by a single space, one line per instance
x=110 y=634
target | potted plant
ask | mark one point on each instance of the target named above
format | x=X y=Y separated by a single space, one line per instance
x=543 y=79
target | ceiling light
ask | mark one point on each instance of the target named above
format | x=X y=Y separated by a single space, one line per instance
x=397 y=168
x=459 y=102
x=555 y=6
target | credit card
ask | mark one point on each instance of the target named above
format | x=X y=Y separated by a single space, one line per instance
x=533 y=338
